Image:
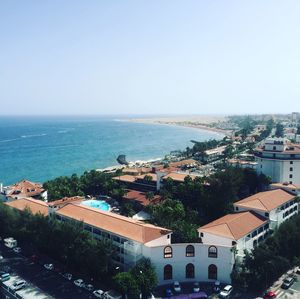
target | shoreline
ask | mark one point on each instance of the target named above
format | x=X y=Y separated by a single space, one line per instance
x=182 y=124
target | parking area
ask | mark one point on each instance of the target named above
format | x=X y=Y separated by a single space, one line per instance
x=38 y=279
x=293 y=292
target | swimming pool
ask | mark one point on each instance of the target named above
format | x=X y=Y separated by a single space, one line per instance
x=97 y=204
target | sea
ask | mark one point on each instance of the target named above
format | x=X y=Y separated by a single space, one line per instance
x=43 y=148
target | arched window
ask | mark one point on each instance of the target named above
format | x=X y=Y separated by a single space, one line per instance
x=168 y=272
x=190 y=271
x=212 y=251
x=168 y=253
x=212 y=272
x=190 y=250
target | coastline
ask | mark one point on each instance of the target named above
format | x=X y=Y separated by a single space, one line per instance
x=200 y=123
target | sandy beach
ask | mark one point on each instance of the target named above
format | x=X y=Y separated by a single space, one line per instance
x=202 y=122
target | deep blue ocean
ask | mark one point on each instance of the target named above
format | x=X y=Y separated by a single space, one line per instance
x=42 y=148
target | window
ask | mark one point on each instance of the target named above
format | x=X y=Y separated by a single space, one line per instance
x=212 y=251
x=291 y=162
x=168 y=253
x=212 y=272
x=201 y=235
x=236 y=208
x=274 y=155
x=274 y=148
x=291 y=182
x=254 y=234
x=233 y=243
x=190 y=271
x=267 y=214
x=291 y=168
x=291 y=176
x=190 y=251
x=168 y=272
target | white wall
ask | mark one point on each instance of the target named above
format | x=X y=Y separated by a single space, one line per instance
x=201 y=262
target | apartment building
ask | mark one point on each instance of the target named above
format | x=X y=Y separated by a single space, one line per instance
x=279 y=159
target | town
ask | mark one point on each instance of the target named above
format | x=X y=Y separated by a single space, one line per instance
x=210 y=221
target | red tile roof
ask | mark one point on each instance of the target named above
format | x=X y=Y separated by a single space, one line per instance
x=25 y=188
x=140 y=197
x=266 y=201
x=34 y=205
x=234 y=226
x=117 y=224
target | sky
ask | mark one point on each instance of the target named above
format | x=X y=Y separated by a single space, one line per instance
x=149 y=57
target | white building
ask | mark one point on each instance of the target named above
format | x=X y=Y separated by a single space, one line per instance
x=277 y=205
x=279 y=159
x=233 y=233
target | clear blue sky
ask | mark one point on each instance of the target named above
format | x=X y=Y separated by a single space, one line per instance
x=133 y=57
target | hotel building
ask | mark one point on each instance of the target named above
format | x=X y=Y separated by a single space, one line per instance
x=279 y=159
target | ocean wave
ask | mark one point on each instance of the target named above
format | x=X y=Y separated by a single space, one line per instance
x=34 y=135
x=9 y=140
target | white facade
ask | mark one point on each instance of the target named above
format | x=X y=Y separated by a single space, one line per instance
x=279 y=160
x=278 y=215
x=182 y=265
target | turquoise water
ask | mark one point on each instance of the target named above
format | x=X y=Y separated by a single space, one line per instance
x=97 y=204
x=42 y=148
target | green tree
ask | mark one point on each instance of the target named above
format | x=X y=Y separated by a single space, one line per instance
x=127 y=285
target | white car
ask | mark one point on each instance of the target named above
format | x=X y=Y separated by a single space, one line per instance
x=176 y=287
x=18 y=285
x=79 y=282
x=225 y=293
x=17 y=249
x=49 y=266
x=1 y=257
x=98 y=293
x=196 y=287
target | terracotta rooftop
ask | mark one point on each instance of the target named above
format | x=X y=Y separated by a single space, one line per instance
x=153 y=176
x=110 y=222
x=25 y=188
x=140 y=197
x=183 y=162
x=234 y=226
x=125 y=178
x=179 y=177
x=36 y=206
x=65 y=200
x=286 y=185
x=265 y=201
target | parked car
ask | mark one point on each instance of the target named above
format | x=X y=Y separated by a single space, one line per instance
x=225 y=293
x=270 y=295
x=217 y=286
x=49 y=266
x=1 y=257
x=18 y=285
x=112 y=294
x=98 y=293
x=79 y=282
x=4 y=276
x=176 y=287
x=196 y=287
x=17 y=249
x=169 y=293
x=88 y=287
x=287 y=282
x=68 y=276
x=298 y=271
